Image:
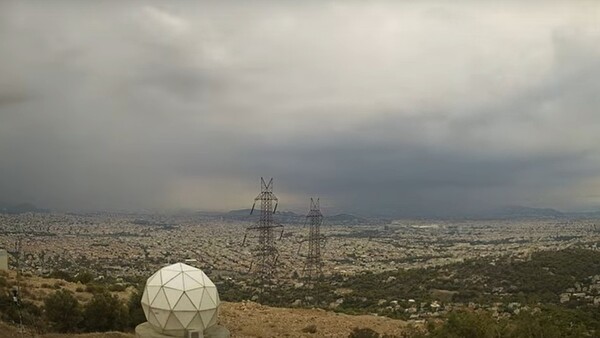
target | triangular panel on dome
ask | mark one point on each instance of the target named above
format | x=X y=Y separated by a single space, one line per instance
x=176 y=282
x=172 y=295
x=160 y=301
x=198 y=276
x=167 y=275
x=161 y=316
x=152 y=292
x=146 y=309
x=185 y=267
x=173 y=267
x=207 y=281
x=213 y=320
x=213 y=294
x=196 y=323
x=152 y=318
x=207 y=302
x=206 y=317
x=145 y=299
x=185 y=317
x=155 y=279
x=195 y=296
x=173 y=323
x=190 y=283
x=184 y=304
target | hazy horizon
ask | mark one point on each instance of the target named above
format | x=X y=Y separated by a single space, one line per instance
x=425 y=108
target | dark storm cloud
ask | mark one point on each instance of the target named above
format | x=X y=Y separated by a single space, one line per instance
x=380 y=107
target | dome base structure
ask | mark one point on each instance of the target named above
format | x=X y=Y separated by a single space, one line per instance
x=145 y=330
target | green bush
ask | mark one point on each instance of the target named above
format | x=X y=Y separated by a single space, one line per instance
x=63 y=311
x=468 y=325
x=134 y=308
x=105 y=312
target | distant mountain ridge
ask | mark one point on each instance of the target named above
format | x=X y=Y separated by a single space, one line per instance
x=20 y=208
x=506 y=212
x=515 y=211
x=291 y=217
x=343 y=218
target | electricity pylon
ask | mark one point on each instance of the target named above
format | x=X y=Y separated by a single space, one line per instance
x=313 y=265
x=265 y=254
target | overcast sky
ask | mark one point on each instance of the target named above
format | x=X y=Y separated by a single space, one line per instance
x=430 y=108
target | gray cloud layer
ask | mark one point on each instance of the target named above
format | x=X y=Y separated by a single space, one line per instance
x=419 y=109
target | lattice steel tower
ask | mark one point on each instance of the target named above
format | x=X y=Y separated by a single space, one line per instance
x=265 y=254
x=313 y=264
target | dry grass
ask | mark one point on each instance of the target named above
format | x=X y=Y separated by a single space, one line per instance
x=36 y=289
x=250 y=319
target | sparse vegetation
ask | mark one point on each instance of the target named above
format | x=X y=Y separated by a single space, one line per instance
x=552 y=322
x=63 y=311
x=535 y=284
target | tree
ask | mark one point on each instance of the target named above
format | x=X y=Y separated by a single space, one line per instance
x=84 y=277
x=105 y=312
x=134 y=307
x=469 y=325
x=63 y=311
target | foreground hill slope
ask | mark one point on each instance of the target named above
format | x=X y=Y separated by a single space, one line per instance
x=243 y=319
x=8 y=331
x=249 y=319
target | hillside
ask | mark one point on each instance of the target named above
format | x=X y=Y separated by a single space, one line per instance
x=243 y=319
x=8 y=331
x=248 y=319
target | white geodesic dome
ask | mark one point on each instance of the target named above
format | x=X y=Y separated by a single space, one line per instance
x=180 y=297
